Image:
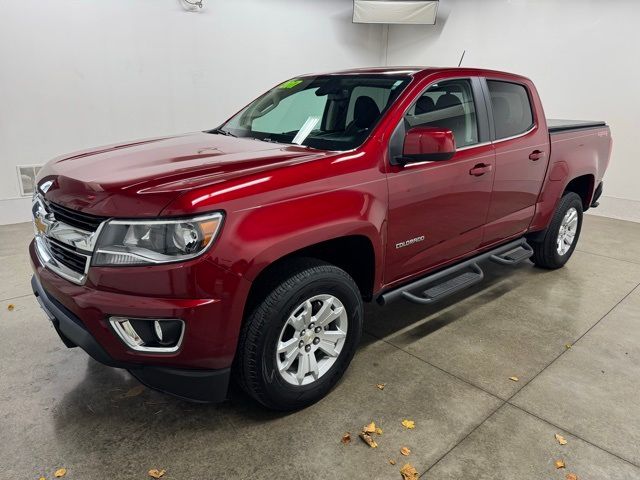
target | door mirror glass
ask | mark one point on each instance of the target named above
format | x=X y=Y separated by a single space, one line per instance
x=428 y=144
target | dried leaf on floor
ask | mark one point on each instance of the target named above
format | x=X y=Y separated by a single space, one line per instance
x=568 y=346
x=514 y=379
x=571 y=476
x=155 y=473
x=133 y=392
x=61 y=472
x=410 y=424
x=561 y=440
x=11 y=307
x=366 y=438
x=559 y=464
x=380 y=386
x=371 y=428
x=409 y=472
x=392 y=461
x=346 y=438
x=42 y=478
x=405 y=451
x=378 y=431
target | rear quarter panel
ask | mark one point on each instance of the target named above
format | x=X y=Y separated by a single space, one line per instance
x=573 y=154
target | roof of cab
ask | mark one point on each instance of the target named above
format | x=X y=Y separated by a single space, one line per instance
x=421 y=71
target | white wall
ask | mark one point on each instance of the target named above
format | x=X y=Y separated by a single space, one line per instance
x=77 y=74
x=82 y=73
x=582 y=54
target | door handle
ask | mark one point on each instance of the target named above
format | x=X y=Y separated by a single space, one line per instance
x=480 y=169
x=536 y=155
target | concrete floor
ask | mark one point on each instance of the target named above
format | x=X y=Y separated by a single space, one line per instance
x=445 y=367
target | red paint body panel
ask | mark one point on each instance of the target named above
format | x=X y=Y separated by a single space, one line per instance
x=278 y=199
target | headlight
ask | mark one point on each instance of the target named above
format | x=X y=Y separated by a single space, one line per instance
x=144 y=242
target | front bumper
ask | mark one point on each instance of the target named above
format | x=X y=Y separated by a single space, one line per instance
x=194 y=385
x=209 y=300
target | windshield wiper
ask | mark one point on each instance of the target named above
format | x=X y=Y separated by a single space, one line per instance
x=266 y=139
x=220 y=131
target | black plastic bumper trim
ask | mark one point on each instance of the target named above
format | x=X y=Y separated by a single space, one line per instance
x=597 y=194
x=194 y=385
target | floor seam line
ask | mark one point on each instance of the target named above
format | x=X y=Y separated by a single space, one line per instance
x=607 y=256
x=572 y=434
x=438 y=368
x=508 y=400
x=463 y=438
x=14 y=298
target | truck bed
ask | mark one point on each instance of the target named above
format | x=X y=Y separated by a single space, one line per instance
x=556 y=126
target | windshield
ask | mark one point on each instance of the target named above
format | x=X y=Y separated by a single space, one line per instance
x=330 y=112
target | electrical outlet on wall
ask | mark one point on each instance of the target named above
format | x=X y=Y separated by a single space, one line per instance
x=27 y=179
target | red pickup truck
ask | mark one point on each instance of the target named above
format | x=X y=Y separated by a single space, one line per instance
x=247 y=251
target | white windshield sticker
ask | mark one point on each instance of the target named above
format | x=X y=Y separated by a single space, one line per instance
x=306 y=129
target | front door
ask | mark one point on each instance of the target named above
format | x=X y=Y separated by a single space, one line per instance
x=437 y=209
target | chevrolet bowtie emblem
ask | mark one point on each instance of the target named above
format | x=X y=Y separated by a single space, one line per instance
x=41 y=227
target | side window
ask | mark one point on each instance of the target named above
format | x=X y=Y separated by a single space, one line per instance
x=449 y=105
x=512 y=113
x=292 y=112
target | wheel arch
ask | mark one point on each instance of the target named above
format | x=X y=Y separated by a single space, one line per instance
x=583 y=186
x=354 y=253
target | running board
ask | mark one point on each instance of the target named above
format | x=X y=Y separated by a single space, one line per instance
x=454 y=279
x=514 y=256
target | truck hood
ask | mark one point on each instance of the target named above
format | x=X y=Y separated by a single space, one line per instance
x=139 y=179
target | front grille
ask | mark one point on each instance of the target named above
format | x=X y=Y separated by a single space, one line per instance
x=67 y=257
x=77 y=219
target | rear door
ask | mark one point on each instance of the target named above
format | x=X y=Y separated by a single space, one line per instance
x=521 y=145
x=437 y=209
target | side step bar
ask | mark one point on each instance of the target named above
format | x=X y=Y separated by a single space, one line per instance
x=509 y=254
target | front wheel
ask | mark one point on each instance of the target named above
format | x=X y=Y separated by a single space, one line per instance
x=561 y=238
x=299 y=340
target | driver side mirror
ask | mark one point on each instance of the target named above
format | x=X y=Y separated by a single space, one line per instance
x=427 y=144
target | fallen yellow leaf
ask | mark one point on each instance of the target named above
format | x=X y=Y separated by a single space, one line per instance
x=405 y=451
x=572 y=476
x=366 y=438
x=346 y=438
x=133 y=392
x=371 y=428
x=559 y=464
x=561 y=440
x=11 y=307
x=568 y=346
x=156 y=473
x=378 y=431
x=408 y=472
x=42 y=478
x=380 y=386
x=410 y=424
x=514 y=379
x=392 y=461
x=61 y=472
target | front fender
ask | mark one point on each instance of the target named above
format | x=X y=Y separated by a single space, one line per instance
x=253 y=239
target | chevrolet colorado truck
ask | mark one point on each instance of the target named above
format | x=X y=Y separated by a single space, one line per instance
x=247 y=251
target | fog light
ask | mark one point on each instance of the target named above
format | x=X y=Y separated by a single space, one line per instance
x=149 y=334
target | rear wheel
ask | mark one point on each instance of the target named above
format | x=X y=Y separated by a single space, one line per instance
x=299 y=340
x=561 y=238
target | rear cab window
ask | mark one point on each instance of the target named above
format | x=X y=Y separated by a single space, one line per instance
x=512 y=111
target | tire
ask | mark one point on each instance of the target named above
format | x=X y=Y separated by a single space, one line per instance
x=282 y=311
x=547 y=253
